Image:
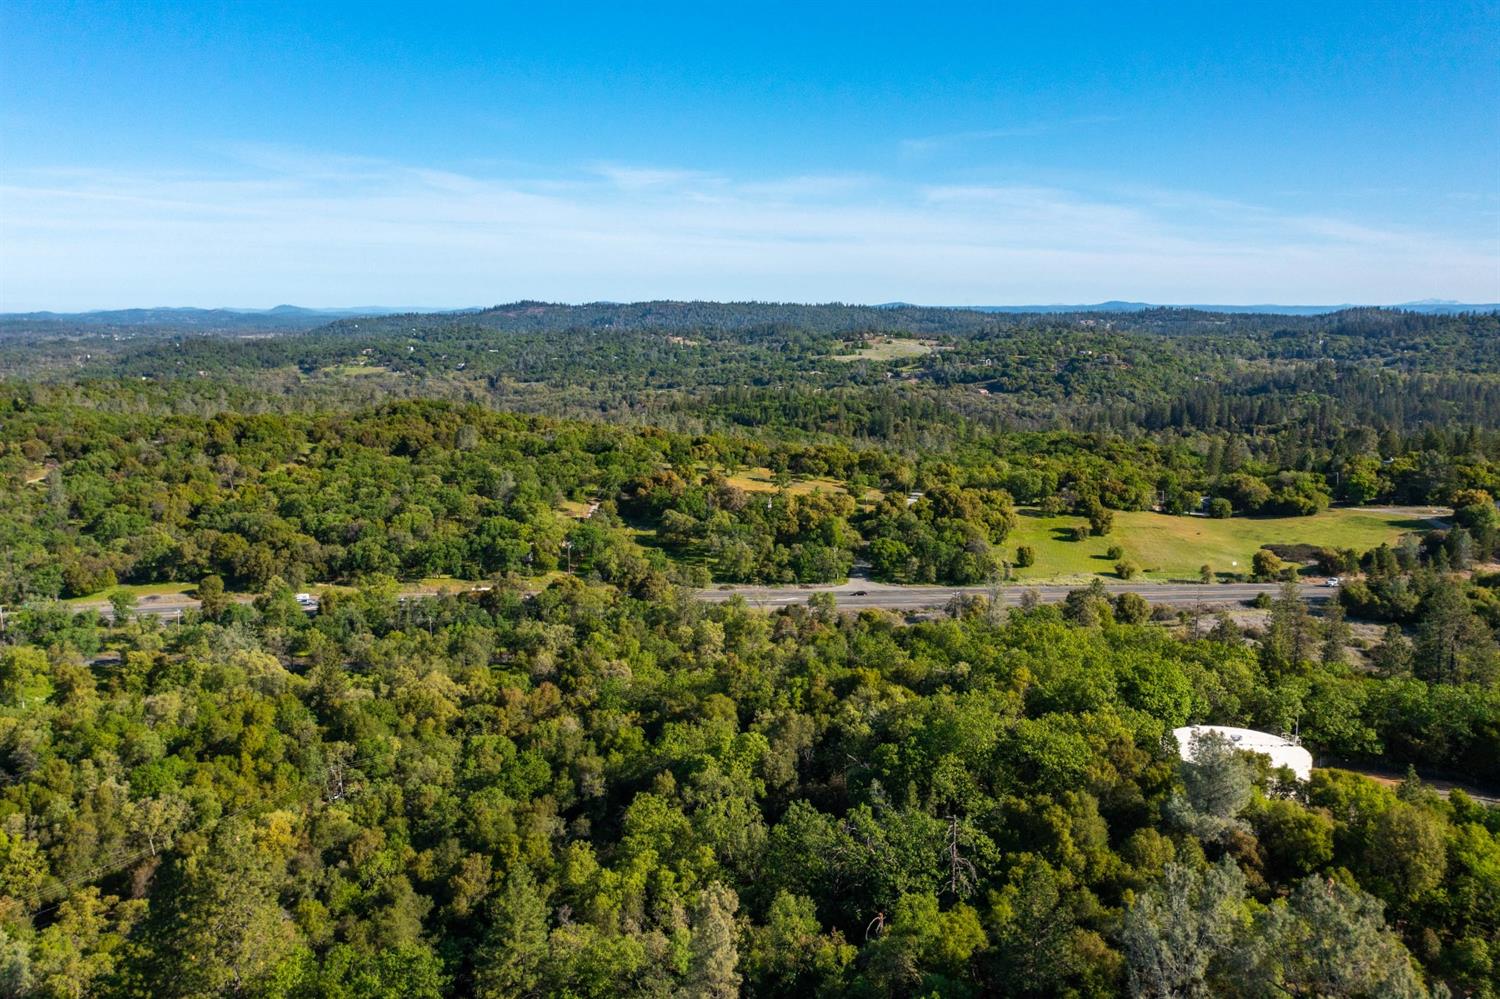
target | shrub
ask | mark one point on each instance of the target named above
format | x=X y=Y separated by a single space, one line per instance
x=1266 y=565
x=1053 y=504
x=1132 y=608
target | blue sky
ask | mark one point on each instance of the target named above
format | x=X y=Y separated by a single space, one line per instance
x=236 y=154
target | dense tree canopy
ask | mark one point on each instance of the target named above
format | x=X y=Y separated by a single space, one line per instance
x=582 y=792
x=580 y=781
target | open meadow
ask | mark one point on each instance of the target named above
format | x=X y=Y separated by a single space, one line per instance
x=1167 y=547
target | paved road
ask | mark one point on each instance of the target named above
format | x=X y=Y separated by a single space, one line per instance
x=859 y=594
x=1392 y=779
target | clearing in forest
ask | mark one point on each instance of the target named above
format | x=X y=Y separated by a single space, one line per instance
x=763 y=480
x=888 y=348
x=1166 y=547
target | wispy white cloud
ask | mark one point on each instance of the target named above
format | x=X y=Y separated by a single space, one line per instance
x=634 y=178
x=810 y=186
x=933 y=143
x=333 y=230
x=303 y=164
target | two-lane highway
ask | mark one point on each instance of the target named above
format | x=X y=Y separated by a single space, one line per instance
x=860 y=594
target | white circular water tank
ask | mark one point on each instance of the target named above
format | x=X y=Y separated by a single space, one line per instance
x=1283 y=752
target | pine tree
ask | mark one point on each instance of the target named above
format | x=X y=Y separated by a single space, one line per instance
x=1178 y=934
x=1453 y=645
x=511 y=960
x=1289 y=633
x=713 y=968
x=1393 y=656
x=1335 y=634
x=1460 y=548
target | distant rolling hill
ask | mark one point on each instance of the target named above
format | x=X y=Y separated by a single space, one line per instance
x=280 y=317
x=1431 y=306
x=166 y=321
x=530 y=315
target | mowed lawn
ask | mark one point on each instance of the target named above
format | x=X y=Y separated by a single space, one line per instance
x=1167 y=547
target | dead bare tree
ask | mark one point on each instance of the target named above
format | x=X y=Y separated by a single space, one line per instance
x=962 y=876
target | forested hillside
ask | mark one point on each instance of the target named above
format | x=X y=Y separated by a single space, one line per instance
x=565 y=774
x=750 y=367
x=418 y=489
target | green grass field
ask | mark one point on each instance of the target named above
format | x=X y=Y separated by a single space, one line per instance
x=137 y=590
x=887 y=348
x=1167 y=547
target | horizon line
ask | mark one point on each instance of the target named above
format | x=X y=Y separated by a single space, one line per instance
x=892 y=304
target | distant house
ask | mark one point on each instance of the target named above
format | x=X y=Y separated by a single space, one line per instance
x=1282 y=752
